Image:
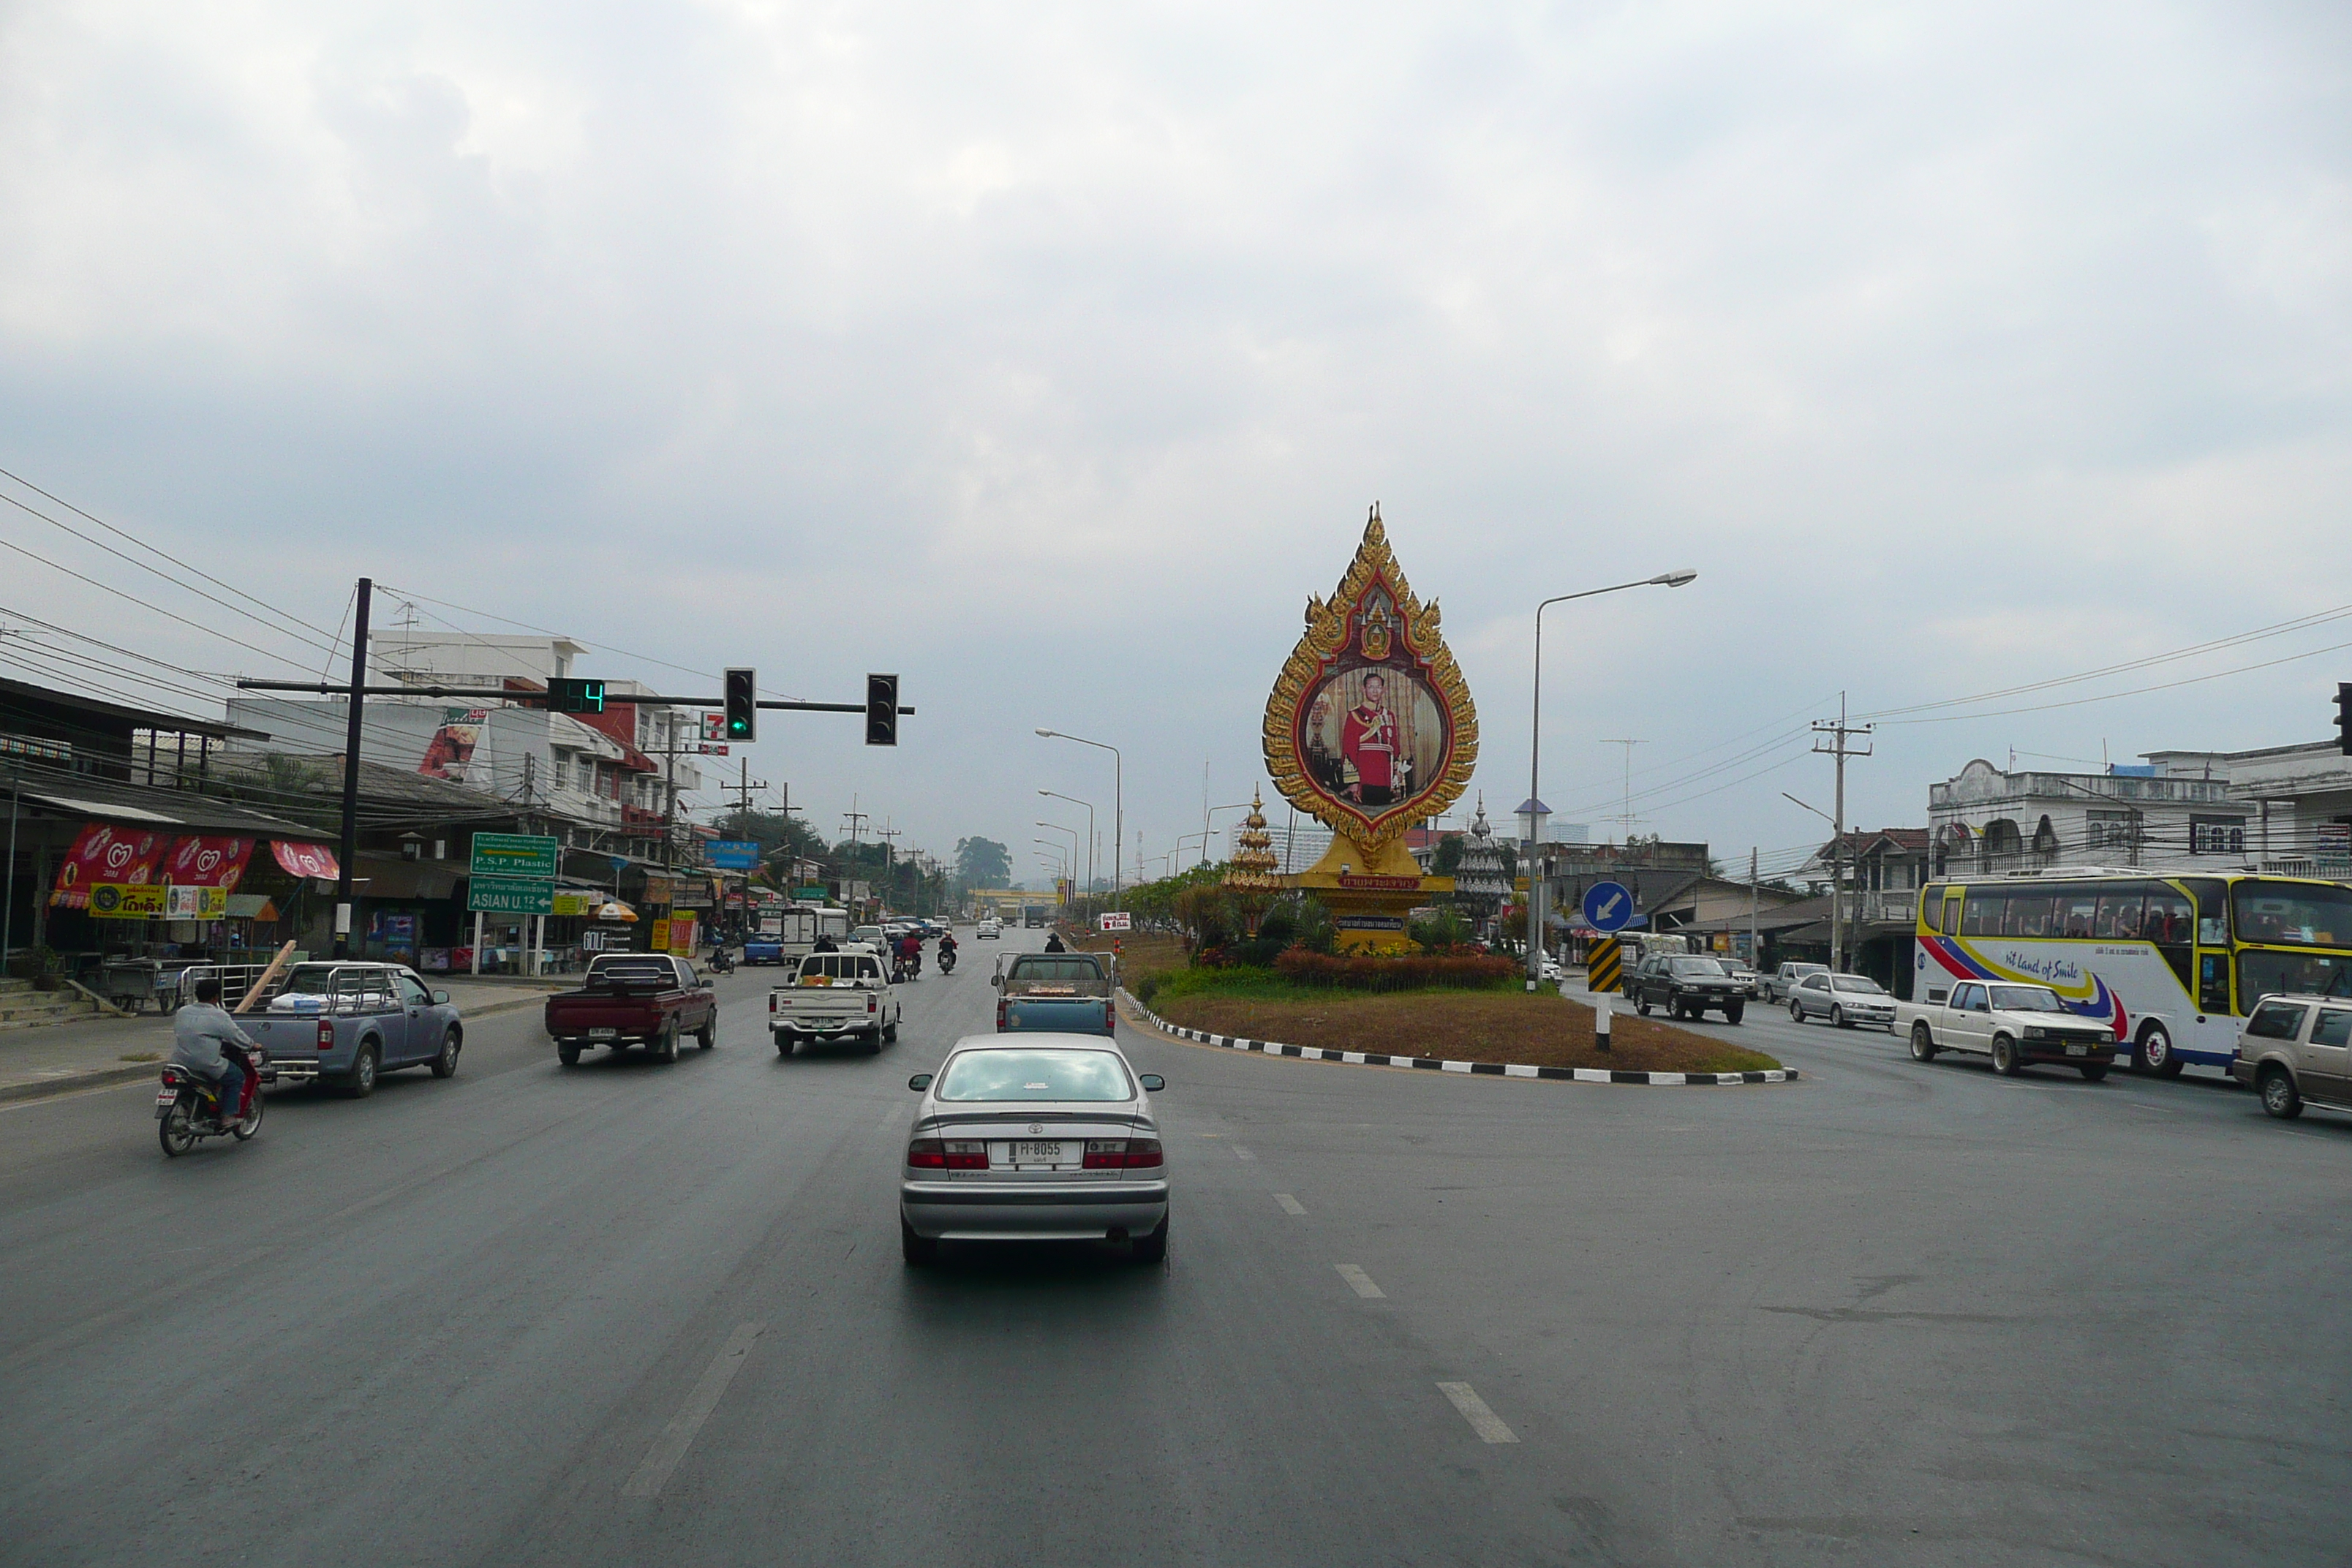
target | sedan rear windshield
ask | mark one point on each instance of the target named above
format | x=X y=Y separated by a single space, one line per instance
x=1857 y=982
x=1055 y=977
x=1083 y=1076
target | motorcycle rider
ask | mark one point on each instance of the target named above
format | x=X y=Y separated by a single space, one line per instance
x=824 y=943
x=199 y=1029
x=910 y=952
x=947 y=952
x=1054 y=942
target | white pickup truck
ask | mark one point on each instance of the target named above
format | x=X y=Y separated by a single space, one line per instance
x=835 y=995
x=2015 y=1024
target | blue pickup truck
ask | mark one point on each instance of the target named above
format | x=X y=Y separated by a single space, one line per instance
x=351 y=1022
x=1060 y=992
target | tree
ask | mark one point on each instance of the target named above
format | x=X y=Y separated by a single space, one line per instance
x=983 y=863
x=1448 y=858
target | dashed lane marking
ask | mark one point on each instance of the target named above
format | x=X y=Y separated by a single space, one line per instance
x=1241 y=1153
x=1361 y=1282
x=675 y=1439
x=1482 y=1420
x=1290 y=1206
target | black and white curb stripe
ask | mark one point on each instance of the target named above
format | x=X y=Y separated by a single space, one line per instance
x=1434 y=1064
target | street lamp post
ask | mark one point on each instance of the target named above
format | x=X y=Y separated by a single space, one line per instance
x=1073 y=832
x=1536 y=891
x=1074 y=800
x=1837 y=870
x=1117 y=798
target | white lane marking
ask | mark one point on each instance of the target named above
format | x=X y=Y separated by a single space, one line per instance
x=1241 y=1153
x=891 y=1118
x=670 y=1447
x=1482 y=1420
x=1290 y=1206
x=1361 y=1282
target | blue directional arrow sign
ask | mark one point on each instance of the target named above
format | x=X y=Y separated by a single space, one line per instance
x=1609 y=906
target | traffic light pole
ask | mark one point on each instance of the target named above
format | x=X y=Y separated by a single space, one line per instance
x=504 y=695
x=349 y=842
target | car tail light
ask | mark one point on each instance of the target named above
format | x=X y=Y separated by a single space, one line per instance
x=872 y=1003
x=771 y=1001
x=1110 y=1016
x=1000 y=1013
x=1122 y=1154
x=326 y=1036
x=927 y=1155
x=966 y=1156
x=1143 y=1153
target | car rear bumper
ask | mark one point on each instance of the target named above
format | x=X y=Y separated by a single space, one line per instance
x=957 y=1212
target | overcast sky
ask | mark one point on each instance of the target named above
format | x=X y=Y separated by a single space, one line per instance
x=1050 y=356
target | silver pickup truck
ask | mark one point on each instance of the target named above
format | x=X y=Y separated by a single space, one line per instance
x=2015 y=1024
x=352 y=1022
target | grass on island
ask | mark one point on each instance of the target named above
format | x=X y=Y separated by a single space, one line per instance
x=1502 y=1026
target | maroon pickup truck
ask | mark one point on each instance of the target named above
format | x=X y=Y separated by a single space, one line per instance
x=628 y=997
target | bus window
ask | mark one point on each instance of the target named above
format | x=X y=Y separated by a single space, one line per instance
x=2076 y=912
x=1931 y=910
x=2028 y=915
x=2213 y=981
x=2212 y=895
x=2119 y=912
x=1982 y=915
x=2273 y=974
x=2300 y=914
x=2169 y=919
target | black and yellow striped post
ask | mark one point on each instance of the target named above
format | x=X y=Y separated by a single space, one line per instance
x=1605 y=965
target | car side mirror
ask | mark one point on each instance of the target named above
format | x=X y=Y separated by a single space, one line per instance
x=920 y=1082
x=440 y=998
x=1152 y=1081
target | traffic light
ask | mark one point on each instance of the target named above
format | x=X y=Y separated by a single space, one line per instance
x=567 y=695
x=2344 y=717
x=743 y=705
x=881 y=710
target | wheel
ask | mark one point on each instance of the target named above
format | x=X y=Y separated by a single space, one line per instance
x=872 y=1042
x=783 y=1045
x=360 y=1082
x=446 y=1063
x=2004 y=1056
x=1923 y=1044
x=665 y=1048
x=2155 y=1054
x=1152 y=1248
x=1837 y=1016
x=917 y=1250
x=2280 y=1097
x=252 y=1122
x=2094 y=1072
x=1796 y=1011
x=1641 y=1004
x=176 y=1131
x=891 y=1033
x=708 y=1036
x=1736 y=1011
x=568 y=1052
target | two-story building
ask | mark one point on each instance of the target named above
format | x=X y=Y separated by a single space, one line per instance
x=2175 y=810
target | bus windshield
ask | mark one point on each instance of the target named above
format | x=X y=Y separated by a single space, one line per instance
x=2264 y=973
x=2297 y=914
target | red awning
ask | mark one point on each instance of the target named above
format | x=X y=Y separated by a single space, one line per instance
x=306 y=860
x=208 y=862
x=107 y=852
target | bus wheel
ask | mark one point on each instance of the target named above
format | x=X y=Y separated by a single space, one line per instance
x=2155 y=1054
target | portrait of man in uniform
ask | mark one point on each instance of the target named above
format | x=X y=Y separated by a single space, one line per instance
x=1371 y=769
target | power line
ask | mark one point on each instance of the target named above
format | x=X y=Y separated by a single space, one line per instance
x=133 y=598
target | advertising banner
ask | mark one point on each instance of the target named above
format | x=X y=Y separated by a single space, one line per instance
x=106 y=853
x=574 y=904
x=733 y=854
x=681 y=936
x=1115 y=919
x=128 y=901
x=205 y=862
x=661 y=935
x=196 y=904
x=305 y=860
x=525 y=855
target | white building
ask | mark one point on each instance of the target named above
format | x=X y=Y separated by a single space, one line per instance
x=2302 y=798
x=2175 y=810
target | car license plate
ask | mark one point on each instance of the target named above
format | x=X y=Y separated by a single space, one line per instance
x=1037 y=1154
x=603 y=1034
x=2078 y=1050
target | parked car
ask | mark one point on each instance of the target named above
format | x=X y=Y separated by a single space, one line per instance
x=1687 y=986
x=1056 y=993
x=350 y=1023
x=1845 y=1000
x=1034 y=1138
x=2297 y=1051
x=1751 y=986
x=2014 y=1024
x=835 y=995
x=628 y=998
x=1783 y=980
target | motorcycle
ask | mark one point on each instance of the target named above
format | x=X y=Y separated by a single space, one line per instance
x=722 y=961
x=188 y=1110
x=946 y=961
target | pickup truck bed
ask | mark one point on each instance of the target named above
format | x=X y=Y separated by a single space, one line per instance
x=1063 y=993
x=632 y=999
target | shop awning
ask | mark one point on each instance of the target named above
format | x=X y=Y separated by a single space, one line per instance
x=202 y=860
x=306 y=860
x=108 y=852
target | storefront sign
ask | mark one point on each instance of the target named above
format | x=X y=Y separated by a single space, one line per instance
x=198 y=903
x=809 y=895
x=128 y=901
x=661 y=936
x=1115 y=919
x=573 y=904
x=660 y=891
x=506 y=896
x=733 y=854
x=522 y=855
x=681 y=937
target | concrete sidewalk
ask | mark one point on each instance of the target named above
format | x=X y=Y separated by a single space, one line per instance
x=36 y=1064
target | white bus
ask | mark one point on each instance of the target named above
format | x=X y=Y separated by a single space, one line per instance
x=2172 y=962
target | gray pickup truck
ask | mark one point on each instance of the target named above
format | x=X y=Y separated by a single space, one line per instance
x=352 y=1022
x=1060 y=992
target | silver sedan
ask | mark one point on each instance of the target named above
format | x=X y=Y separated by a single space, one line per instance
x=1040 y=1137
x=1845 y=1000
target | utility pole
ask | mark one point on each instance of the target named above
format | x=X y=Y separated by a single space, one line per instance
x=1840 y=747
x=1626 y=818
x=889 y=837
x=1755 y=953
x=350 y=838
x=857 y=820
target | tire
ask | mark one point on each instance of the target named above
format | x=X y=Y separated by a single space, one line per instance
x=1736 y=1011
x=176 y=1129
x=2094 y=1072
x=2155 y=1053
x=252 y=1122
x=568 y=1052
x=1837 y=1017
x=2280 y=1097
x=707 y=1036
x=1152 y=1248
x=1923 y=1044
x=1796 y=1011
x=919 y=1251
x=666 y=1048
x=891 y=1033
x=2004 y=1056
x=872 y=1042
x=784 y=1043
x=360 y=1082
x=1641 y=1004
x=446 y=1063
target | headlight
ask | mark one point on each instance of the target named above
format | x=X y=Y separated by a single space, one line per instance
x=2034 y=1031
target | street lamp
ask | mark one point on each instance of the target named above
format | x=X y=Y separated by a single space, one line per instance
x=1118 y=798
x=1536 y=891
x=1837 y=875
x=1074 y=800
x=1073 y=832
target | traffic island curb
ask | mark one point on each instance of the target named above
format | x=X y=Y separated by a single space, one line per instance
x=1480 y=1069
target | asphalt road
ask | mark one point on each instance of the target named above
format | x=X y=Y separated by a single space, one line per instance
x=641 y=1313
